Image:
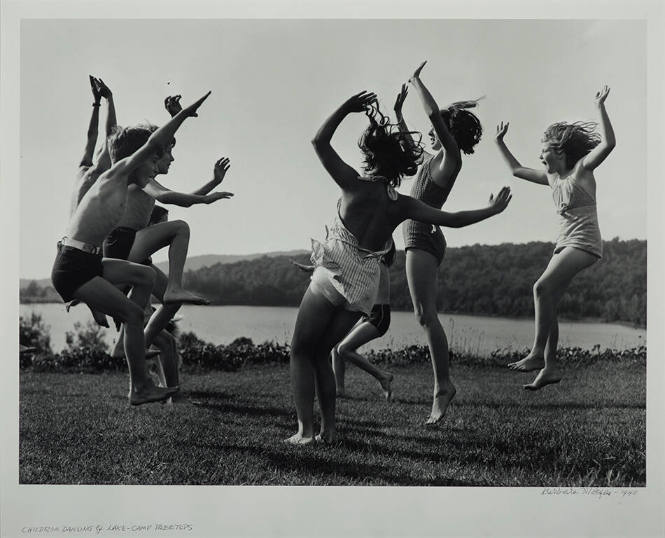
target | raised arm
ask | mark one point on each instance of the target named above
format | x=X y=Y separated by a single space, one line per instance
x=522 y=172
x=221 y=167
x=598 y=154
x=343 y=174
x=91 y=141
x=401 y=122
x=452 y=161
x=103 y=157
x=417 y=210
x=160 y=138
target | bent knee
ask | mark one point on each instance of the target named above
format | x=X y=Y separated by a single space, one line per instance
x=181 y=227
x=542 y=287
x=343 y=348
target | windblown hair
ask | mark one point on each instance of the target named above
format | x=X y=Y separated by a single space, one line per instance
x=463 y=125
x=387 y=149
x=124 y=141
x=575 y=139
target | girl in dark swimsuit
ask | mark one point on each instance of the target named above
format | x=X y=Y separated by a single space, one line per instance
x=453 y=129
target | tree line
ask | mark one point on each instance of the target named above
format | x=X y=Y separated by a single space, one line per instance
x=478 y=279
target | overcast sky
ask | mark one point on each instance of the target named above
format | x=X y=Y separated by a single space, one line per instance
x=273 y=83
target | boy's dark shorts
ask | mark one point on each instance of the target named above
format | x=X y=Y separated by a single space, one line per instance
x=73 y=268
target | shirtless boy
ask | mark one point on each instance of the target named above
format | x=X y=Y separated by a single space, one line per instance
x=134 y=239
x=89 y=171
x=79 y=272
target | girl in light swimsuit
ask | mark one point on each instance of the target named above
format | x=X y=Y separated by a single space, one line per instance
x=570 y=153
x=373 y=326
x=454 y=129
x=345 y=281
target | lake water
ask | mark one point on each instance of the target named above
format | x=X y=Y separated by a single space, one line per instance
x=477 y=334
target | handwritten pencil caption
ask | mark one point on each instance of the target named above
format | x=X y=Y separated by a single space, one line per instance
x=111 y=528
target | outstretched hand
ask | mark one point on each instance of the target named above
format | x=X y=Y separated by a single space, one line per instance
x=95 y=90
x=103 y=89
x=401 y=97
x=172 y=104
x=602 y=95
x=221 y=167
x=359 y=102
x=214 y=196
x=416 y=73
x=501 y=130
x=190 y=111
x=501 y=201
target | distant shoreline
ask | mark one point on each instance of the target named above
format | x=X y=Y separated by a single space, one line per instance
x=476 y=314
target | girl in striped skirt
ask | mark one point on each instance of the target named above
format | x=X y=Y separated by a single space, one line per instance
x=345 y=281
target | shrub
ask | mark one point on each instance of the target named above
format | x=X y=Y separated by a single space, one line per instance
x=33 y=332
x=86 y=352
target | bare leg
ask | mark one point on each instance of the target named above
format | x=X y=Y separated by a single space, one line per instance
x=547 y=292
x=346 y=350
x=552 y=372
x=159 y=320
x=421 y=270
x=176 y=235
x=310 y=369
x=340 y=325
x=314 y=315
x=165 y=342
x=102 y=295
x=164 y=313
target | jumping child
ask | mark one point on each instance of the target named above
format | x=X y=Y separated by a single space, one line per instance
x=345 y=282
x=454 y=130
x=570 y=153
x=79 y=272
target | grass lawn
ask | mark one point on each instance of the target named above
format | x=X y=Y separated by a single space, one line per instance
x=590 y=430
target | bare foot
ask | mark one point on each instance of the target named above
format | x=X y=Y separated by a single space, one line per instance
x=529 y=363
x=150 y=393
x=386 y=385
x=440 y=404
x=326 y=438
x=298 y=439
x=184 y=297
x=544 y=378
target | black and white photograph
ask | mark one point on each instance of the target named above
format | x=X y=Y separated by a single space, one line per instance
x=257 y=255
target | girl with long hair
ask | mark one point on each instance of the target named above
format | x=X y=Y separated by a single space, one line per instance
x=454 y=130
x=344 y=284
x=570 y=154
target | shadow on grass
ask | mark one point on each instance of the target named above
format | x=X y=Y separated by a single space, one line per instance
x=237 y=407
x=552 y=405
x=327 y=466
